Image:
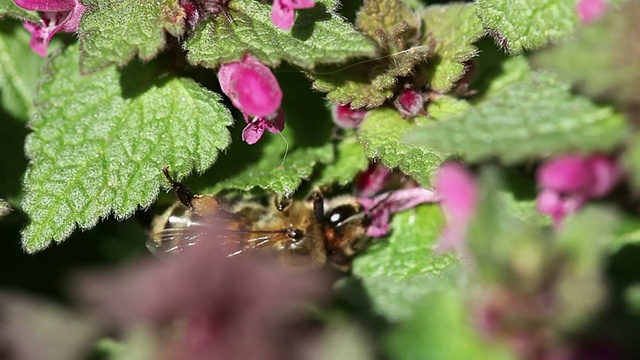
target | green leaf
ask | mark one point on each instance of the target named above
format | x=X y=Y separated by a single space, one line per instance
x=631 y=160
x=527 y=119
x=279 y=163
x=398 y=273
x=9 y=7
x=350 y=159
x=608 y=45
x=390 y=22
x=97 y=150
x=453 y=28
x=115 y=31
x=319 y=36
x=519 y=25
x=441 y=329
x=582 y=241
x=382 y=133
x=20 y=70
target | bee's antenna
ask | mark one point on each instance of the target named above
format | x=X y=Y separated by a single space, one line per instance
x=182 y=192
x=380 y=202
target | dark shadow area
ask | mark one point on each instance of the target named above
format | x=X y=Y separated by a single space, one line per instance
x=306 y=20
x=137 y=77
x=13 y=161
x=618 y=325
x=46 y=273
x=488 y=66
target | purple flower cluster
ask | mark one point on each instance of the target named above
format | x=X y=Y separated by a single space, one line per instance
x=568 y=181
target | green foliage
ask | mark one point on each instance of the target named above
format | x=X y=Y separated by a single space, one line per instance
x=453 y=28
x=19 y=70
x=279 y=163
x=370 y=83
x=399 y=272
x=9 y=7
x=350 y=159
x=526 y=119
x=440 y=330
x=97 y=150
x=609 y=46
x=382 y=133
x=115 y=31
x=391 y=23
x=318 y=36
x=519 y=25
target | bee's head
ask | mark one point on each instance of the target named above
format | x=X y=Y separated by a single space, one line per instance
x=345 y=226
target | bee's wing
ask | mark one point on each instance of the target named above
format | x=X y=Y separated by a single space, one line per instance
x=235 y=241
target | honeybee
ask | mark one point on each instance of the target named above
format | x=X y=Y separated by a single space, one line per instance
x=301 y=234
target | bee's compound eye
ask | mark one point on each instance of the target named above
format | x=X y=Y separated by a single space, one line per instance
x=340 y=214
x=296 y=234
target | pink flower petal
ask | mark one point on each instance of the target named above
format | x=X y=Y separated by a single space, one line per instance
x=282 y=16
x=566 y=174
x=458 y=192
x=298 y=4
x=372 y=180
x=384 y=205
x=409 y=103
x=46 y=5
x=591 y=10
x=251 y=86
x=557 y=206
x=606 y=173
x=457 y=188
x=253 y=132
x=347 y=118
x=275 y=122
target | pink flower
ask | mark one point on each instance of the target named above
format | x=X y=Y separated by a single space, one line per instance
x=282 y=11
x=254 y=90
x=568 y=181
x=56 y=15
x=372 y=180
x=458 y=195
x=347 y=118
x=382 y=206
x=409 y=103
x=254 y=129
x=591 y=10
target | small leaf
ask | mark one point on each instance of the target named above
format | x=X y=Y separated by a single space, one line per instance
x=278 y=163
x=9 y=7
x=608 y=45
x=390 y=22
x=382 y=133
x=527 y=119
x=349 y=161
x=20 y=70
x=398 y=273
x=319 y=36
x=519 y=25
x=97 y=150
x=367 y=83
x=441 y=329
x=453 y=28
x=115 y=31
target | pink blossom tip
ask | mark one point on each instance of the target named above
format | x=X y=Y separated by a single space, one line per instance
x=282 y=11
x=347 y=118
x=55 y=16
x=458 y=193
x=251 y=86
x=409 y=103
x=255 y=128
x=591 y=10
x=381 y=207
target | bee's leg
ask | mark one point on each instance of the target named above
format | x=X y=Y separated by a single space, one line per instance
x=282 y=202
x=184 y=194
x=318 y=205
